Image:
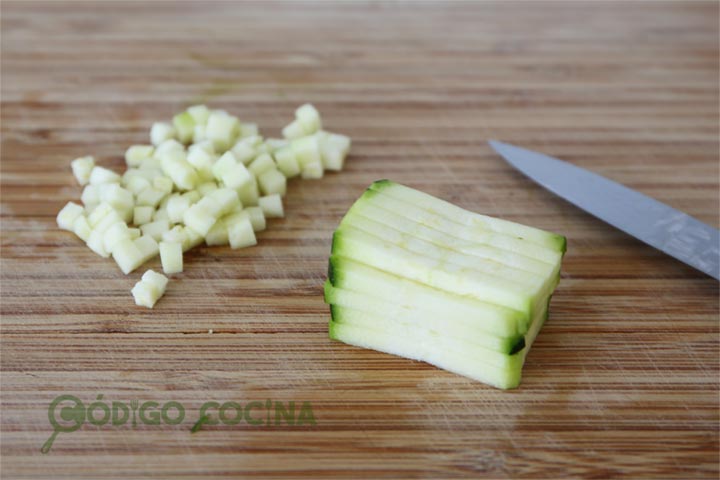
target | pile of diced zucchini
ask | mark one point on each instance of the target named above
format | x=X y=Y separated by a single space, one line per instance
x=206 y=177
x=416 y=276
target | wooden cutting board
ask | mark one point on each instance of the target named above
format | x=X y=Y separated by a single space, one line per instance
x=623 y=380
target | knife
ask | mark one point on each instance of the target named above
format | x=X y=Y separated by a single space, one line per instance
x=661 y=226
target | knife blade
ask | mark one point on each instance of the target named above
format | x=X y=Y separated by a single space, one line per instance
x=655 y=223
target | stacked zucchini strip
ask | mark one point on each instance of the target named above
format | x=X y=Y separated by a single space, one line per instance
x=416 y=276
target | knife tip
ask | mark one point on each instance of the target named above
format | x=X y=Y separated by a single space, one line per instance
x=495 y=144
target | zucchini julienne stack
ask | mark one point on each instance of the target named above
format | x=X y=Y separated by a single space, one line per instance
x=416 y=276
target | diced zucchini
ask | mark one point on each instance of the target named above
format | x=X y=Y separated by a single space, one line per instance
x=244 y=152
x=175 y=165
x=223 y=165
x=193 y=195
x=309 y=118
x=333 y=150
x=218 y=234
x=149 y=289
x=275 y=144
x=248 y=129
x=237 y=177
x=222 y=129
x=150 y=197
x=81 y=228
x=101 y=175
x=272 y=182
x=155 y=229
x=116 y=232
x=257 y=217
x=82 y=168
x=160 y=132
x=249 y=194
x=148 y=247
x=67 y=216
x=142 y=215
x=184 y=124
x=293 y=130
x=137 y=184
x=171 y=257
x=136 y=154
x=199 y=218
x=261 y=164
x=307 y=150
x=199 y=114
x=203 y=162
x=192 y=239
x=241 y=234
x=90 y=196
x=312 y=171
x=207 y=187
x=99 y=213
x=199 y=134
x=170 y=147
x=286 y=162
x=177 y=206
x=164 y=184
x=271 y=206
x=127 y=255
x=117 y=197
x=227 y=199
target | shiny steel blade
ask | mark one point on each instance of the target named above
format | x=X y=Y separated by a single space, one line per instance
x=659 y=225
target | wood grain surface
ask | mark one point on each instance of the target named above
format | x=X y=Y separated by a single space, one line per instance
x=623 y=380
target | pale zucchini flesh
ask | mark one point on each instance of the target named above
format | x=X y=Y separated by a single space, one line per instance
x=467 y=218
x=449 y=354
x=525 y=272
x=375 y=313
x=374 y=283
x=450 y=277
x=474 y=234
x=414 y=348
x=521 y=256
x=427 y=339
